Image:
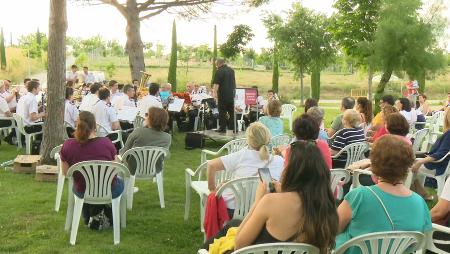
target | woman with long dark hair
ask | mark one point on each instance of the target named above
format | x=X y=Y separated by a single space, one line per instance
x=301 y=210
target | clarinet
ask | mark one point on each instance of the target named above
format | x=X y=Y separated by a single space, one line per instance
x=135 y=102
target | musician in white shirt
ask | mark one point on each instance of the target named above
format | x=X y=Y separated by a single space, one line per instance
x=150 y=100
x=105 y=114
x=126 y=100
x=90 y=99
x=70 y=112
x=8 y=95
x=73 y=76
x=27 y=108
x=114 y=89
x=88 y=77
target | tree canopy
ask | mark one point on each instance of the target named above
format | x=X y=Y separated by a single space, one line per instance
x=236 y=41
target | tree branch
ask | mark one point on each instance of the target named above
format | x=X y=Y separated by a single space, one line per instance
x=122 y=9
x=144 y=6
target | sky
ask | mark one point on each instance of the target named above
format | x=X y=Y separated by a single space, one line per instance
x=87 y=21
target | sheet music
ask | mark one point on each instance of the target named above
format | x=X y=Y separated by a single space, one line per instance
x=176 y=105
x=127 y=113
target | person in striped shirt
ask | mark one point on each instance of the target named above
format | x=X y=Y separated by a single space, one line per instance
x=351 y=133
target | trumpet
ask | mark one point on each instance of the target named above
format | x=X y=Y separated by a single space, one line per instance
x=143 y=89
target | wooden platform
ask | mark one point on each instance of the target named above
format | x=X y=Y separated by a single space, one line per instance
x=228 y=136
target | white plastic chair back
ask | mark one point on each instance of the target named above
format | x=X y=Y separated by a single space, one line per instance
x=279 y=140
x=337 y=176
x=395 y=242
x=419 y=138
x=138 y=121
x=19 y=123
x=98 y=176
x=244 y=191
x=54 y=153
x=440 y=116
x=146 y=158
x=430 y=242
x=279 y=248
x=102 y=131
x=235 y=145
x=355 y=152
x=287 y=110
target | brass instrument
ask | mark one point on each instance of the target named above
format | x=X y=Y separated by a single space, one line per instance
x=143 y=89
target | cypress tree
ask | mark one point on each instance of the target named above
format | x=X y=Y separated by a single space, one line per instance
x=2 y=51
x=172 y=78
x=276 y=71
x=214 y=69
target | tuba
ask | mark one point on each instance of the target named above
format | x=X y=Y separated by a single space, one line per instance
x=143 y=89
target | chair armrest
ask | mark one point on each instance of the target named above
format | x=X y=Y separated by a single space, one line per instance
x=204 y=151
x=357 y=173
x=190 y=172
x=441 y=159
x=429 y=244
x=338 y=154
x=36 y=124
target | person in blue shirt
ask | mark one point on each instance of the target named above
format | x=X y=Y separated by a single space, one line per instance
x=388 y=205
x=273 y=121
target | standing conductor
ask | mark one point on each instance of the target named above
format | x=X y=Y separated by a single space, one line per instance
x=224 y=90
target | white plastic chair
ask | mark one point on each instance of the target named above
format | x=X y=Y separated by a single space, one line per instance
x=287 y=112
x=244 y=191
x=28 y=136
x=440 y=179
x=278 y=140
x=337 y=177
x=101 y=131
x=138 y=122
x=4 y=130
x=55 y=154
x=393 y=242
x=419 y=138
x=98 y=176
x=430 y=242
x=198 y=182
x=230 y=147
x=355 y=152
x=358 y=172
x=146 y=159
x=279 y=248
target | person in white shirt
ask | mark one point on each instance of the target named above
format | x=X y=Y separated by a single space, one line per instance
x=8 y=95
x=88 y=77
x=105 y=114
x=404 y=107
x=4 y=112
x=246 y=162
x=442 y=209
x=70 y=113
x=150 y=100
x=126 y=100
x=27 y=108
x=73 y=76
x=90 y=99
x=114 y=89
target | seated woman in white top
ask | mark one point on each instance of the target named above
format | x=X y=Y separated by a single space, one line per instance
x=246 y=162
x=404 y=107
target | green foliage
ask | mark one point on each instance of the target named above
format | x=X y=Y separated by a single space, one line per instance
x=34 y=44
x=265 y=58
x=202 y=53
x=236 y=41
x=2 y=51
x=148 y=51
x=95 y=47
x=81 y=60
x=172 y=76
x=276 y=71
x=110 y=69
x=159 y=50
x=214 y=69
x=315 y=84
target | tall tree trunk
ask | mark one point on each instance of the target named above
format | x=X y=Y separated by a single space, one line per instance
x=276 y=70
x=369 y=81
x=134 y=46
x=214 y=69
x=315 y=84
x=301 y=87
x=53 y=127
x=381 y=86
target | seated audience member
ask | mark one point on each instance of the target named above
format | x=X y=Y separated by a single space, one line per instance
x=306 y=128
x=150 y=100
x=273 y=121
x=441 y=210
x=305 y=207
x=424 y=107
x=105 y=114
x=246 y=162
x=165 y=93
x=70 y=112
x=114 y=90
x=86 y=146
x=439 y=149
x=388 y=205
x=364 y=107
x=378 y=121
x=446 y=103
x=396 y=124
x=381 y=130
x=403 y=106
x=152 y=134
x=309 y=103
x=27 y=108
x=88 y=102
x=351 y=133
x=9 y=95
x=337 y=125
x=318 y=115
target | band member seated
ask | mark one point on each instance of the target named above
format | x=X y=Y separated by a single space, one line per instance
x=90 y=99
x=28 y=109
x=88 y=77
x=150 y=100
x=5 y=112
x=105 y=114
x=186 y=118
x=126 y=100
x=10 y=95
x=165 y=94
x=70 y=113
x=114 y=89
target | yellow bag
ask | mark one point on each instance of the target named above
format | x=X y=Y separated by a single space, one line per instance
x=224 y=244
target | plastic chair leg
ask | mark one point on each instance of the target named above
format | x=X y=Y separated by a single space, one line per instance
x=159 y=182
x=76 y=219
x=130 y=192
x=440 y=184
x=187 y=204
x=28 y=144
x=19 y=138
x=116 y=219
x=123 y=207
x=202 y=212
x=70 y=205
x=59 y=190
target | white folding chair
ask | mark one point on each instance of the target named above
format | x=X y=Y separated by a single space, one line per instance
x=4 y=130
x=287 y=112
x=55 y=154
x=98 y=176
x=419 y=138
x=440 y=179
x=275 y=248
x=146 y=159
x=28 y=136
x=393 y=242
x=138 y=122
x=230 y=147
x=102 y=132
x=337 y=177
x=198 y=182
x=355 y=152
x=280 y=140
x=430 y=242
x=358 y=172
